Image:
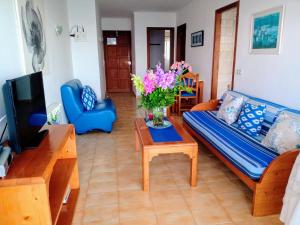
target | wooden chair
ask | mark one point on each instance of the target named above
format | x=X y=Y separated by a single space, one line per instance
x=189 y=80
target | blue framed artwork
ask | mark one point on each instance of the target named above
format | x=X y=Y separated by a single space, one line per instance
x=266 y=32
x=197 y=38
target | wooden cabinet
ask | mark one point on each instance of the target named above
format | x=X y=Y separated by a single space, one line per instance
x=34 y=189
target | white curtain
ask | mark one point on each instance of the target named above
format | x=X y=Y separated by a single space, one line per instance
x=290 y=213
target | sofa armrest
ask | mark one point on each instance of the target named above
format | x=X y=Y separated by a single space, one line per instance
x=280 y=168
x=206 y=106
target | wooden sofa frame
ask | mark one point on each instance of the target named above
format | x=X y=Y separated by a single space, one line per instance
x=269 y=190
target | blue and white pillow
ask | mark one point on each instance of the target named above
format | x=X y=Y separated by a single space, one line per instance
x=88 y=98
x=251 y=119
x=230 y=109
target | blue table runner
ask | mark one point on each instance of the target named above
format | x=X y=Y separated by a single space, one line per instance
x=165 y=135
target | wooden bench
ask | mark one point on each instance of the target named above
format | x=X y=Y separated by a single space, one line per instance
x=269 y=190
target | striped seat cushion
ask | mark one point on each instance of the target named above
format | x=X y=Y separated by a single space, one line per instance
x=246 y=153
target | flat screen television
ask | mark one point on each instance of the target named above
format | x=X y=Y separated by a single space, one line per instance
x=25 y=111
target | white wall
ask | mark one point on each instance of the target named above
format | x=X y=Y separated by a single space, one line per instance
x=272 y=77
x=11 y=64
x=200 y=15
x=113 y=23
x=142 y=20
x=85 y=54
x=100 y=50
x=58 y=49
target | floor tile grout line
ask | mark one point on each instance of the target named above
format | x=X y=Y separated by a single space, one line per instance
x=191 y=212
x=88 y=185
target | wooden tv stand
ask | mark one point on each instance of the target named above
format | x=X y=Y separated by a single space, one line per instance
x=34 y=189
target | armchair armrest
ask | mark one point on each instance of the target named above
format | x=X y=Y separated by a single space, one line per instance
x=206 y=106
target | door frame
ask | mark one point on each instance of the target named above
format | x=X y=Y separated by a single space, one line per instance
x=105 y=52
x=177 y=43
x=216 y=49
x=149 y=29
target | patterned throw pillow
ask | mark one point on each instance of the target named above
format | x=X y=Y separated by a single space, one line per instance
x=88 y=98
x=284 y=135
x=251 y=118
x=230 y=109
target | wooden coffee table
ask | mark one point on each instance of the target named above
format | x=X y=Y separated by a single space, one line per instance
x=151 y=149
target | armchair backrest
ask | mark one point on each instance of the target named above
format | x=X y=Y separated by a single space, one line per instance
x=71 y=98
x=190 y=80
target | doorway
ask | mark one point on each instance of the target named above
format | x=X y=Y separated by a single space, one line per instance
x=180 y=43
x=226 y=25
x=117 y=56
x=160 y=47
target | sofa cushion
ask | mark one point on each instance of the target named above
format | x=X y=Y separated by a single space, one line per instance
x=251 y=118
x=272 y=112
x=284 y=135
x=88 y=98
x=272 y=109
x=230 y=109
x=233 y=94
x=245 y=152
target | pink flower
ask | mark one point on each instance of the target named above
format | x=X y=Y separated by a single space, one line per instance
x=150 y=80
x=190 y=68
x=167 y=80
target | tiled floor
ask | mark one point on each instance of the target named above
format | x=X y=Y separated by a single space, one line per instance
x=110 y=174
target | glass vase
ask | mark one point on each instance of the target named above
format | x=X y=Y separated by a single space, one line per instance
x=158 y=116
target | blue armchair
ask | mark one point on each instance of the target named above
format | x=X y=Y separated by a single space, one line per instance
x=101 y=117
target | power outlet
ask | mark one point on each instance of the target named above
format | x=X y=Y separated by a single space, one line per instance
x=80 y=36
x=239 y=72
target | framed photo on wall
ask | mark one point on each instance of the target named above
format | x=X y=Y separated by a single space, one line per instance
x=197 y=39
x=266 y=31
x=31 y=17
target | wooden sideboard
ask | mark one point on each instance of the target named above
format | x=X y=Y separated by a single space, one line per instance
x=37 y=181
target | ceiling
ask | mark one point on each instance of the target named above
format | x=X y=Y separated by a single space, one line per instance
x=125 y=8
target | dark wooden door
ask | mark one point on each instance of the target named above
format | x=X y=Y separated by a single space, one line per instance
x=181 y=40
x=117 y=51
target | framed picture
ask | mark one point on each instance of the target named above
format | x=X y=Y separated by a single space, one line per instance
x=32 y=23
x=197 y=39
x=266 y=31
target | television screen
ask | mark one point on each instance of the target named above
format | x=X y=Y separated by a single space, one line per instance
x=26 y=110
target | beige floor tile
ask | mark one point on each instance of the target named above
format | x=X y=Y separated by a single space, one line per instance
x=227 y=186
x=103 y=177
x=162 y=183
x=168 y=201
x=129 y=183
x=211 y=214
x=199 y=201
x=101 y=213
x=103 y=186
x=135 y=203
x=184 y=217
x=102 y=198
x=114 y=221
x=139 y=220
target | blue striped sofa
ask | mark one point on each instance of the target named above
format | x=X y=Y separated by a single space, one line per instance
x=260 y=168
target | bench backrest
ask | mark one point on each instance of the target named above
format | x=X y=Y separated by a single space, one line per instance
x=272 y=111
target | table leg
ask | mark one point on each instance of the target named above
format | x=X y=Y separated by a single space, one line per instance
x=145 y=170
x=137 y=142
x=194 y=165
